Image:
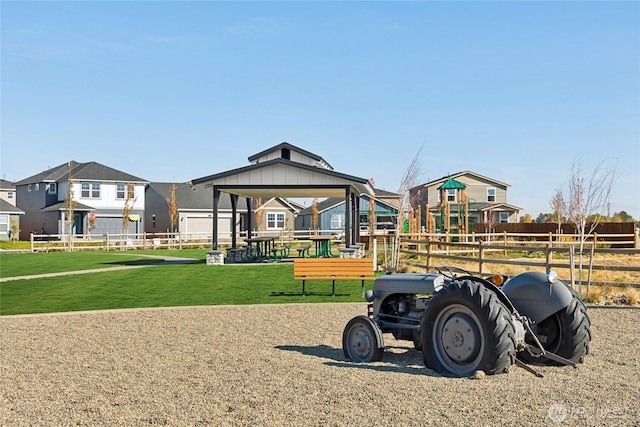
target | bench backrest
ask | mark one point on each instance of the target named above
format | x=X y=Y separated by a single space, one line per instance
x=333 y=267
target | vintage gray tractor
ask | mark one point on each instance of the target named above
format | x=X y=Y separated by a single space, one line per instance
x=463 y=323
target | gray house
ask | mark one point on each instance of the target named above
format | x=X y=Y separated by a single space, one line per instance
x=331 y=213
x=9 y=213
x=100 y=193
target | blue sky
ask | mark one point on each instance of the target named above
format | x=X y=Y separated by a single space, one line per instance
x=173 y=91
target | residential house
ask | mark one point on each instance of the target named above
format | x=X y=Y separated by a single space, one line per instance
x=194 y=209
x=99 y=192
x=331 y=213
x=9 y=213
x=479 y=198
x=275 y=215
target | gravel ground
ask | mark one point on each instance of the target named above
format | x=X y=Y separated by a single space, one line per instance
x=283 y=365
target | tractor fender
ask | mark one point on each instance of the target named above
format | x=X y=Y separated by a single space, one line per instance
x=535 y=297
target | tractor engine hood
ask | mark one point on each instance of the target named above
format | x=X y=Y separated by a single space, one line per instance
x=408 y=283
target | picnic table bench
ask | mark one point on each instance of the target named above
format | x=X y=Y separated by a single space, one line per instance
x=304 y=249
x=280 y=252
x=333 y=269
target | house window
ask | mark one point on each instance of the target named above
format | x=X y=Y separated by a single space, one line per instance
x=337 y=221
x=36 y=187
x=451 y=195
x=10 y=195
x=275 y=220
x=52 y=188
x=504 y=216
x=491 y=194
x=29 y=187
x=4 y=223
x=95 y=190
x=90 y=190
x=120 y=189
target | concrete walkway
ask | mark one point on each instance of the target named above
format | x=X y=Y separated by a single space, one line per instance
x=167 y=260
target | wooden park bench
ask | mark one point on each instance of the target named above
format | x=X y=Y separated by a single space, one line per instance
x=333 y=269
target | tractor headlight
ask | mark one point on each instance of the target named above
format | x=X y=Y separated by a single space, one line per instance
x=552 y=276
x=369 y=296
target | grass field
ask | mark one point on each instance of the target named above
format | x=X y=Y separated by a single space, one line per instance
x=158 y=285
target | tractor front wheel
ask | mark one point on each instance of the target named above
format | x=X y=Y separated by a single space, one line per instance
x=362 y=340
x=466 y=328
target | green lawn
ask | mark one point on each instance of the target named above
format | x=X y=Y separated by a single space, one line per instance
x=155 y=286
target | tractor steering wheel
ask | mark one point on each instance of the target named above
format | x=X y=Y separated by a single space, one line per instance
x=452 y=272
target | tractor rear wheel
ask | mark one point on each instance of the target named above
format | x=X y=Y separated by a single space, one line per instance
x=566 y=333
x=465 y=328
x=362 y=340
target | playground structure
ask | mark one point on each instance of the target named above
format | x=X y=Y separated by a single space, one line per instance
x=451 y=216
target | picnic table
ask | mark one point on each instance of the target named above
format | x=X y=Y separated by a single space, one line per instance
x=323 y=246
x=260 y=247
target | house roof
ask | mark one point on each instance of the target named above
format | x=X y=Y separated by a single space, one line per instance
x=7 y=185
x=81 y=171
x=277 y=148
x=8 y=208
x=458 y=175
x=80 y=207
x=189 y=197
x=277 y=178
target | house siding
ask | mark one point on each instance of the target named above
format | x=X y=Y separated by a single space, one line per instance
x=35 y=220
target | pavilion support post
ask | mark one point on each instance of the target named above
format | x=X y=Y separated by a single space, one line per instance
x=214 y=236
x=234 y=219
x=347 y=217
x=249 y=217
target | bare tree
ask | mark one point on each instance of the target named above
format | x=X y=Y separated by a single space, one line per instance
x=558 y=206
x=173 y=207
x=315 y=214
x=259 y=214
x=409 y=179
x=91 y=222
x=69 y=210
x=588 y=195
x=129 y=203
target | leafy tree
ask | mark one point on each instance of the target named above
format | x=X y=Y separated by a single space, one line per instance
x=544 y=218
x=15 y=229
x=526 y=219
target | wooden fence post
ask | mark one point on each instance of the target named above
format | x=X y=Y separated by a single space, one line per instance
x=547 y=256
x=31 y=243
x=504 y=238
x=426 y=268
x=106 y=242
x=480 y=257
